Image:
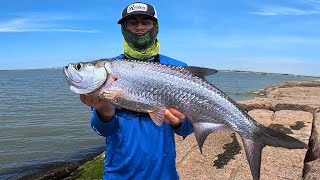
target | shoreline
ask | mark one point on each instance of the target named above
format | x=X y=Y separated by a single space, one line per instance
x=60 y=170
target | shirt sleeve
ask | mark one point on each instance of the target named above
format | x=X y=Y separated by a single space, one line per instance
x=185 y=129
x=104 y=129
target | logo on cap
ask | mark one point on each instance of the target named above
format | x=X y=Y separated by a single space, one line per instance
x=137 y=7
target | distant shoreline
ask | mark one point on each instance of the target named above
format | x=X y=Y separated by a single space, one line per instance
x=30 y=69
x=269 y=73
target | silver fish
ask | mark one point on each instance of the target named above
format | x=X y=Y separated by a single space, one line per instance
x=152 y=88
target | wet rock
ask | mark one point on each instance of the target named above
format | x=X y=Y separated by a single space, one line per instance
x=54 y=173
x=62 y=170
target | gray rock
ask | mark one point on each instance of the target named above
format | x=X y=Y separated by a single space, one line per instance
x=303 y=96
x=312 y=160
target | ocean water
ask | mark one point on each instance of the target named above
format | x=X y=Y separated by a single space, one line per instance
x=44 y=123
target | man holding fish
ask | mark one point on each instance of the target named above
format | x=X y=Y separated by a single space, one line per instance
x=136 y=148
x=138 y=144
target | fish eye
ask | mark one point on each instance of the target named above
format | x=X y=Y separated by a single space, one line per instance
x=78 y=66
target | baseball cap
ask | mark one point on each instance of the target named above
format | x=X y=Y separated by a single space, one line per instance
x=138 y=8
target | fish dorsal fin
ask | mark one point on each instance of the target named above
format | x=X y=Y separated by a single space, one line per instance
x=203 y=129
x=157 y=116
x=201 y=72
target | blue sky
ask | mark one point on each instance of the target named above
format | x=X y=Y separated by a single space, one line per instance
x=280 y=36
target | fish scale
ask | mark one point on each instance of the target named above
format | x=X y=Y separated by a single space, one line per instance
x=152 y=88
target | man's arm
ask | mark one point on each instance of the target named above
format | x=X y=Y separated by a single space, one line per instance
x=185 y=129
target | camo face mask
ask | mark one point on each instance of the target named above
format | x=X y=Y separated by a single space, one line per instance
x=140 y=42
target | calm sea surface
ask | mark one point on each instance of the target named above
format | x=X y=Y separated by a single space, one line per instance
x=44 y=123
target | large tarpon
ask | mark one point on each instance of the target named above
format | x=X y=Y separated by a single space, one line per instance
x=152 y=88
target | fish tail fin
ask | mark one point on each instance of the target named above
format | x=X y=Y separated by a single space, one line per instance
x=266 y=136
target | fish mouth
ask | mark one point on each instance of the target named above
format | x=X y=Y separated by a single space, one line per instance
x=71 y=80
x=65 y=72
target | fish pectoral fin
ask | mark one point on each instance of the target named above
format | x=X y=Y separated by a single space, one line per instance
x=157 y=116
x=109 y=94
x=203 y=129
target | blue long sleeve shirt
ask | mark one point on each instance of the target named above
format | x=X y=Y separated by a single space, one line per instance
x=136 y=148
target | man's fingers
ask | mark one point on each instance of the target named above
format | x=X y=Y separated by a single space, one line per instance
x=169 y=116
x=90 y=100
x=177 y=113
x=166 y=120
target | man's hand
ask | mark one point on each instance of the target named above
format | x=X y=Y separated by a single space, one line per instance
x=174 y=117
x=103 y=107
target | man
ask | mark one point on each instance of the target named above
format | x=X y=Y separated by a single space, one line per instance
x=136 y=148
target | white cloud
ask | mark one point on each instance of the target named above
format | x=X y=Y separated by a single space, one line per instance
x=296 y=8
x=42 y=23
x=273 y=11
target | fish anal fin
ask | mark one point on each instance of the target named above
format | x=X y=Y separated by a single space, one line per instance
x=157 y=116
x=203 y=129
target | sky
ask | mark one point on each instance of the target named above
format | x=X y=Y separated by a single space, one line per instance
x=276 y=36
